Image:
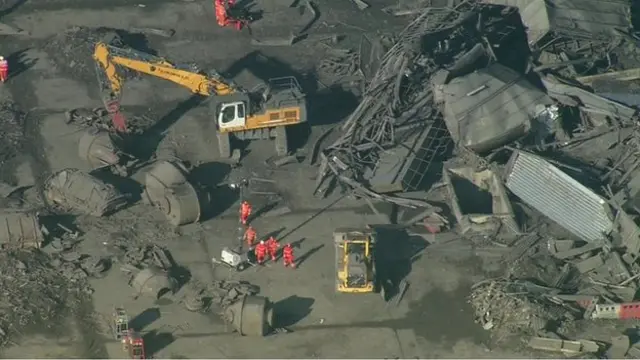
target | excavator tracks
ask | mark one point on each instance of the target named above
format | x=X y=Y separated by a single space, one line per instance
x=224 y=145
x=282 y=145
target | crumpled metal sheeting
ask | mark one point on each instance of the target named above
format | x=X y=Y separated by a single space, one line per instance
x=558 y=196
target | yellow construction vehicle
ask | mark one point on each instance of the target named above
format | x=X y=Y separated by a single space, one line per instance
x=355 y=262
x=261 y=114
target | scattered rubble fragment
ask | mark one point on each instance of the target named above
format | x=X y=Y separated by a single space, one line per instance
x=479 y=200
x=506 y=307
x=20 y=231
x=34 y=293
x=237 y=303
x=567 y=347
x=11 y=131
x=76 y=190
x=72 y=49
x=99 y=118
x=99 y=150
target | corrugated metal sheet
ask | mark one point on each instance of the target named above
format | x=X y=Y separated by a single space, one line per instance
x=559 y=197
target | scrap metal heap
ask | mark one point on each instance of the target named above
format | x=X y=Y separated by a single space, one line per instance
x=543 y=117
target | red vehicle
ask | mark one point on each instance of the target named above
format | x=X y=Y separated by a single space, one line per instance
x=134 y=345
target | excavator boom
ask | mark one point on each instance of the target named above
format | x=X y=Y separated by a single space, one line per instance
x=110 y=56
x=260 y=114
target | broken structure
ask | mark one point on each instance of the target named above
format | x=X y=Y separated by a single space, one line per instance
x=74 y=189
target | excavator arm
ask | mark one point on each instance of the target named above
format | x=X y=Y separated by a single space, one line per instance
x=108 y=58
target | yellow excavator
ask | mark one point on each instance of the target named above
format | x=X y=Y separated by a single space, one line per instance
x=261 y=114
x=355 y=262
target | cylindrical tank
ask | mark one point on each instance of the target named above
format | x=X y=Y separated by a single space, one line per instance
x=153 y=281
x=19 y=231
x=166 y=174
x=82 y=191
x=250 y=316
x=167 y=189
x=97 y=148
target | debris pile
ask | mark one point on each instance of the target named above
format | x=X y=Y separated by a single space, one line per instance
x=99 y=118
x=505 y=107
x=11 y=131
x=33 y=293
x=505 y=307
x=72 y=50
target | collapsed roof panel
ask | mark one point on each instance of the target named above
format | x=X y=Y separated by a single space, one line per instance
x=590 y=19
x=586 y=100
x=558 y=196
x=490 y=107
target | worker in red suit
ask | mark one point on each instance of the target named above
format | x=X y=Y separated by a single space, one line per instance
x=272 y=247
x=245 y=212
x=261 y=252
x=221 y=13
x=250 y=236
x=4 y=69
x=287 y=256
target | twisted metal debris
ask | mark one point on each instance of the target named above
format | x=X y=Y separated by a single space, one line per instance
x=391 y=110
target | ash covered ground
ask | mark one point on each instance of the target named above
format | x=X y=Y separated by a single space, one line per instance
x=496 y=159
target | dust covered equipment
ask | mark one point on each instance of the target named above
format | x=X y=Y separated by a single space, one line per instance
x=80 y=191
x=355 y=263
x=100 y=150
x=250 y=316
x=20 y=231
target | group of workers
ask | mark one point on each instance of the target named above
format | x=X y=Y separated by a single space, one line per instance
x=264 y=250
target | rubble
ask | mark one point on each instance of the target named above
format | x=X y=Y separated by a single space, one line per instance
x=34 y=293
x=99 y=118
x=72 y=49
x=75 y=190
x=20 y=231
x=12 y=121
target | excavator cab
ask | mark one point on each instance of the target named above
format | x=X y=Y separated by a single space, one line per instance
x=232 y=115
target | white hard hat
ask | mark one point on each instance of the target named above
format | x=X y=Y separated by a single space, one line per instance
x=1 y=57
x=261 y=241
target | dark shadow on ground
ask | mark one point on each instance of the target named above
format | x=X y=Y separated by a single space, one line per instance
x=395 y=253
x=307 y=255
x=274 y=233
x=222 y=197
x=210 y=174
x=147 y=144
x=19 y=63
x=291 y=310
x=126 y=185
x=264 y=209
x=155 y=341
x=145 y=318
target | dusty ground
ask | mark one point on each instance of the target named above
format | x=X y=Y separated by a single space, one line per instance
x=434 y=319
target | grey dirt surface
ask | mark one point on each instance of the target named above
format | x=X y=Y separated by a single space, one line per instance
x=433 y=320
